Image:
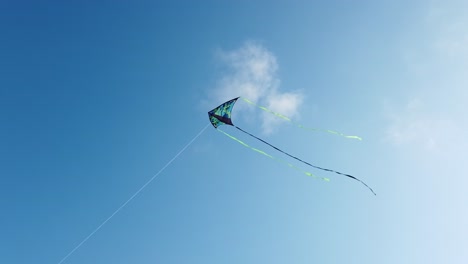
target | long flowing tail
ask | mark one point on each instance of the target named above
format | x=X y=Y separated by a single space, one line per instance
x=299 y=125
x=271 y=157
x=305 y=162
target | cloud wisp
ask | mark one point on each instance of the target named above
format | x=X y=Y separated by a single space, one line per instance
x=251 y=72
x=436 y=60
x=417 y=128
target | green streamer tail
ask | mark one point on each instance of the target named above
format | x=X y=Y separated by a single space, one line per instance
x=297 y=124
x=271 y=157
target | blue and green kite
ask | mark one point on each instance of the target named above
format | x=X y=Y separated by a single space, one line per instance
x=221 y=115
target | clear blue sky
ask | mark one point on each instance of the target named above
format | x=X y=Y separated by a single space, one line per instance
x=97 y=96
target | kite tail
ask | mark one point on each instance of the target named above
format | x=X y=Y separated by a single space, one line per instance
x=299 y=125
x=305 y=162
x=271 y=157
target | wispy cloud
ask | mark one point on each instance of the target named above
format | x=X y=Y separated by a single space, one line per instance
x=437 y=60
x=440 y=46
x=450 y=30
x=251 y=72
x=414 y=127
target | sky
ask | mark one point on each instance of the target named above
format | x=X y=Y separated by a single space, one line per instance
x=96 y=97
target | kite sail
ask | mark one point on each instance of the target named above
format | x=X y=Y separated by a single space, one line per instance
x=221 y=115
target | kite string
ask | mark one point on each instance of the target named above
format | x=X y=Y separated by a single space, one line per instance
x=297 y=124
x=135 y=194
x=271 y=157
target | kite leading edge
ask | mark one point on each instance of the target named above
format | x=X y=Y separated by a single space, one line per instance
x=221 y=115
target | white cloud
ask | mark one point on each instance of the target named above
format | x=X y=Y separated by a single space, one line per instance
x=448 y=25
x=437 y=63
x=251 y=72
x=415 y=127
x=439 y=47
x=284 y=103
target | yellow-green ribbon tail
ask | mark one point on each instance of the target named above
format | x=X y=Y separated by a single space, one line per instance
x=271 y=157
x=297 y=124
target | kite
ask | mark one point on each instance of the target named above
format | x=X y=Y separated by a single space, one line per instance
x=221 y=115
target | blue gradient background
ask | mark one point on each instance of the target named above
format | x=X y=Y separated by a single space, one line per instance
x=97 y=96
